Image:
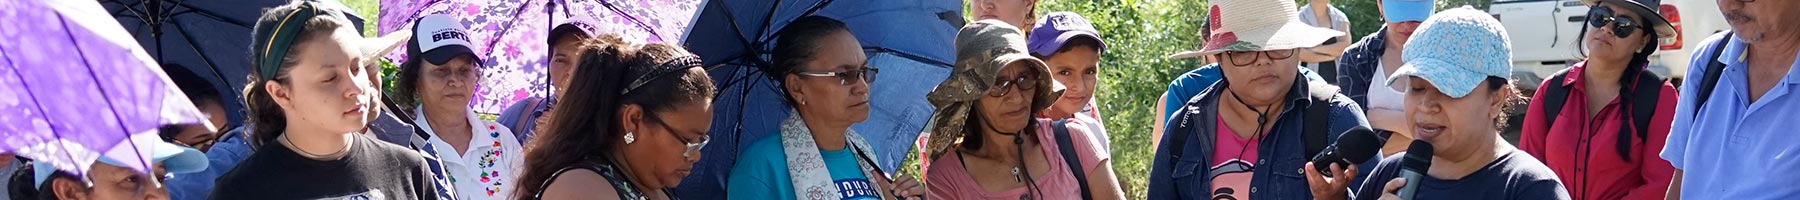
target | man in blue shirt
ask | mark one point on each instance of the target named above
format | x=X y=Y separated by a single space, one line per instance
x=1734 y=138
x=1243 y=137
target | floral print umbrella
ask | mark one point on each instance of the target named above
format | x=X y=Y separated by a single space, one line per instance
x=511 y=35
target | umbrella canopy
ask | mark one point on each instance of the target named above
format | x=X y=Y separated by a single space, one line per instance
x=209 y=37
x=911 y=41
x=75 y=87
x=511 y=35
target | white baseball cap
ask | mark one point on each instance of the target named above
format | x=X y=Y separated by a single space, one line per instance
x=439 y=38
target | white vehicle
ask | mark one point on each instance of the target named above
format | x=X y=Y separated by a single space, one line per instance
x=1544 y=35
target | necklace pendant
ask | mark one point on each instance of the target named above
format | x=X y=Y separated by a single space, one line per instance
x=1016 y=177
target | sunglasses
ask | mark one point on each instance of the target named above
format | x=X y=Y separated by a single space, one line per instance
x=846 y=77
x=1599 y=16
x=1022 y=82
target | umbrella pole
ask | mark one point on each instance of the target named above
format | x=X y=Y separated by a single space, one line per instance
x=154 y=8
x=743 y=99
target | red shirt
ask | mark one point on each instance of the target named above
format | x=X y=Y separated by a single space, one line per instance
x=1582 y=151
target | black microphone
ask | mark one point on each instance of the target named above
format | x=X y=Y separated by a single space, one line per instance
x=1414 y=166
x=1356 y=145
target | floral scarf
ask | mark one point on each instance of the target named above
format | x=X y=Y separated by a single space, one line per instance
x=807 y=167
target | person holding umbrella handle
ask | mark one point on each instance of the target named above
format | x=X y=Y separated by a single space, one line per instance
x=825 y=78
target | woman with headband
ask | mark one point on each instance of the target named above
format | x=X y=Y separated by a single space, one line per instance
x=309 y=99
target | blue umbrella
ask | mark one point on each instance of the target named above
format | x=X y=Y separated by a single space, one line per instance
x=911 y=41
x=209 y=37
x=74 y=88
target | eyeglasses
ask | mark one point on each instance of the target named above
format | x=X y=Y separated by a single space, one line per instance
x=1022 y=82
x=1248 y=58
x=692 y=147
x=1599 y=16
x=846 y=77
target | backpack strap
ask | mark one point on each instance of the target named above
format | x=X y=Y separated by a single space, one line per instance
x=1066 y=144
x=1180 y=127
x=1318 y=116
x=1554 y=96
x=1644 y=98
x=531 y=105
x=1316 y=133
x=1713 y=69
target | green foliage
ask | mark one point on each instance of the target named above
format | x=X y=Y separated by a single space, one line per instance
x=1365 y=16
x=368 y=10
x=390 y=72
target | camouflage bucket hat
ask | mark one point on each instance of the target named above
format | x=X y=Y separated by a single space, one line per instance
x=983 y=48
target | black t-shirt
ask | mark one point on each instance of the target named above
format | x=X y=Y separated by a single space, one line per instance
x=1514 y=175
x=371 y=170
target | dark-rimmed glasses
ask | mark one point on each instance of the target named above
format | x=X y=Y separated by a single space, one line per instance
x=1246 y=58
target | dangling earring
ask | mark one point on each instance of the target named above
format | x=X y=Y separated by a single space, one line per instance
x=630 y=137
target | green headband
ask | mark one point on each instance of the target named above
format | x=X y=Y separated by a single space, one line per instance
x=273 y=42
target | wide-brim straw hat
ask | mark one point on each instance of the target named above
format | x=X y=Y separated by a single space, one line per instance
x=983 y=48
x=1257 y=25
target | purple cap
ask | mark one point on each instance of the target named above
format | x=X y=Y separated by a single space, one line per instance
x=1055 y=29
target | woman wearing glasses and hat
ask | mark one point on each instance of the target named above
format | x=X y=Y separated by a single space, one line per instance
x=1250 y=135
x=1600 y=123
x=825 y=79
x=1005 y=153
x=630 y=128
x=1455 y=72
x=309 y=97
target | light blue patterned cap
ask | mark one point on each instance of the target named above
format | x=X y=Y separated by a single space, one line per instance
x=1456 y=50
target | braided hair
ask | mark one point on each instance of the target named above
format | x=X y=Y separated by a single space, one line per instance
x=1633 y=68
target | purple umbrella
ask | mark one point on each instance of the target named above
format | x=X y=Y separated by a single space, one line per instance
x=511 y=34
x=76 y=87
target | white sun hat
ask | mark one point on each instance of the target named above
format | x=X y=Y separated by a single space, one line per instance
x=1257 y=25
